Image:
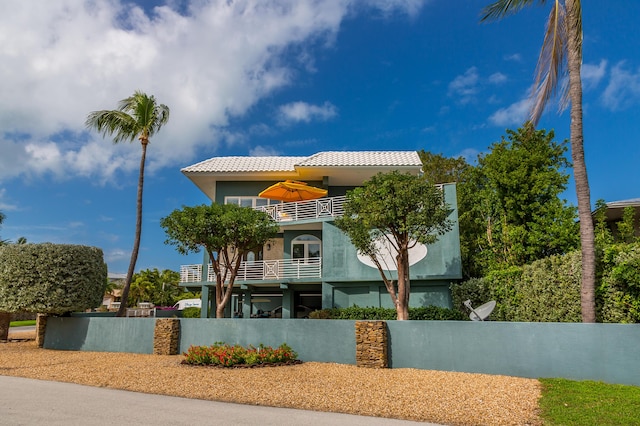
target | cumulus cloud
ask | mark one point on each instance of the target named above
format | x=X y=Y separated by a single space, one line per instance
x=592 y=74
x=623 y=89
x=464 y=87
x=515 y=114
x=304 y=112
x=209 y=61
x=497 y=78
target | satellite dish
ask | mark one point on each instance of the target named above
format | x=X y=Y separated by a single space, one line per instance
x=482 y=312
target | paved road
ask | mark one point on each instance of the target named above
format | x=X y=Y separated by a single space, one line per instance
x=22 y=328
x=25 y=402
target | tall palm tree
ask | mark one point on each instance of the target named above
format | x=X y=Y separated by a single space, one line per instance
x=137 y=116
x=561 y=54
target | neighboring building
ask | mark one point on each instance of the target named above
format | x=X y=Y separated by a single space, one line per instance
x=111 y=298
x=615 y=210
x=311 y=264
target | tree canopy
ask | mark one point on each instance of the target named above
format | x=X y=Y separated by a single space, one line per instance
x=398 y=211
x=226 y=232
x=512 y=213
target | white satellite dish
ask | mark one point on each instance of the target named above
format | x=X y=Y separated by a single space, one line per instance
x=482 y=312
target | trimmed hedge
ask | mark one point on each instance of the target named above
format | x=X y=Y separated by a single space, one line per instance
x=371 y=313
x=51 y=278
x=548 y=290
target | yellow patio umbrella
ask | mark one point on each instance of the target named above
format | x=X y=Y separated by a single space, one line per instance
x=291 y=190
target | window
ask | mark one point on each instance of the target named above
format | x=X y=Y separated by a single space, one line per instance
x=306 y=247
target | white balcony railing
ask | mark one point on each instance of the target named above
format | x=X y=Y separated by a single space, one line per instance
x=260 y=270
x=301 y=210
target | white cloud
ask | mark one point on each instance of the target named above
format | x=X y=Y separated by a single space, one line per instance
x=212 y=61
x=516 y=57
x=623 y=89
x=464 y=87
x=497 y=78
x=592 y=74
x=263 y=151
x=302 y=111
x=4 y=204
x=515 y=114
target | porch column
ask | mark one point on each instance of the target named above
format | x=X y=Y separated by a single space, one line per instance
x=204 y=296
x=246 y=303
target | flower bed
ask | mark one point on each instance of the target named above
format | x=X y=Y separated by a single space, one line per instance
x=224 y=355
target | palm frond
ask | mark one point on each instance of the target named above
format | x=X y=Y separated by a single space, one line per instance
x=502 y=8
x=114 y=123
x=137 y=116
x=552 y=61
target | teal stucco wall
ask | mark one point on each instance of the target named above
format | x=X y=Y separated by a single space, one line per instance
x=603 y=352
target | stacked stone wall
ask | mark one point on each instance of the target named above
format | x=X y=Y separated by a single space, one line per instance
x=166 y=336
x=372 y=344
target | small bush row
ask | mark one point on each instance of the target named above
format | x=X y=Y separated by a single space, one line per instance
x=226 y=355
x=370 y=313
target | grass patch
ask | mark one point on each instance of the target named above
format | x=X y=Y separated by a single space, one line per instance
x=22 y=323
x=584 y=403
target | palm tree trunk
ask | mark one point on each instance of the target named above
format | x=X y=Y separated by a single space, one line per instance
x=574 y=44
x=136 y=242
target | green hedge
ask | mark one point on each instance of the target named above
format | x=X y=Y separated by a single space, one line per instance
x=370 y=313
x=548 y=290
x=51 y=278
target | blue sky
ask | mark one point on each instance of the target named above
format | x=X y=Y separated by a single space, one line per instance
x=280 y=77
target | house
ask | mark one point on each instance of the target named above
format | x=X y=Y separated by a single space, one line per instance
x=615 y=210
x=311 y=264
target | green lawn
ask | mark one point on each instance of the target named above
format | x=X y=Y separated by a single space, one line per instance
x=22 y=323
x=585 y=403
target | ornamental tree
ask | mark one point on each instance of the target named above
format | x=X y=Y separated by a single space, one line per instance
x=226 y=232
x=399 y=211
x=49 y=278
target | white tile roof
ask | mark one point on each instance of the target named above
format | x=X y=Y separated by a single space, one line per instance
x=362 y=158
x=245 y=164
x=321 y=159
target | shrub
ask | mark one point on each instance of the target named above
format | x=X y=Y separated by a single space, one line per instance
x=370 y=313
x=620 y=286
x=191 y=312
x=226 y=355
x=51 y=278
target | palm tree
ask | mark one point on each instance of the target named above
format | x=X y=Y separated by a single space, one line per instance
x=137 y=116
x=561 y=54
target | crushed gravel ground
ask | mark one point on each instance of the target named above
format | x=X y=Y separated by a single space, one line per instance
x=411 y=394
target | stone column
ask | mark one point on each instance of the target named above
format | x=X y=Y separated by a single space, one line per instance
x=41 y=327
x=371 y=344
x=166 y=336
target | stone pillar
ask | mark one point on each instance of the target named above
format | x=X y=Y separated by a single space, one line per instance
x=166 y=336
x=371 y=344
x=41 y=327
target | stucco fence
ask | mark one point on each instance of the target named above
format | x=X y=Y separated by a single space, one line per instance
x=601 y=352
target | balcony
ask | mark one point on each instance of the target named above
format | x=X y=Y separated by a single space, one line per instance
x=260 y=270
x=305 y=210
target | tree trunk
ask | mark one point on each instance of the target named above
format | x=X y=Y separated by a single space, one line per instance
x=402 y=303
x=5 y=321
x=136 y=243
x=574 y=59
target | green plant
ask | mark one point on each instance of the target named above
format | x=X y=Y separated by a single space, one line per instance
x=226 y=355
x=191 y=312
x=370 y=313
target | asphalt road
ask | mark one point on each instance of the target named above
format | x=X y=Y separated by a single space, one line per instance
x=37 y=402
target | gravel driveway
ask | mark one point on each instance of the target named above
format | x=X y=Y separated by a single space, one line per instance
x=411 y=394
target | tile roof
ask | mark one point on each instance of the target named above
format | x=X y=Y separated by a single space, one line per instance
x=321 y=159
x=362 y=158
x=245 y=164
